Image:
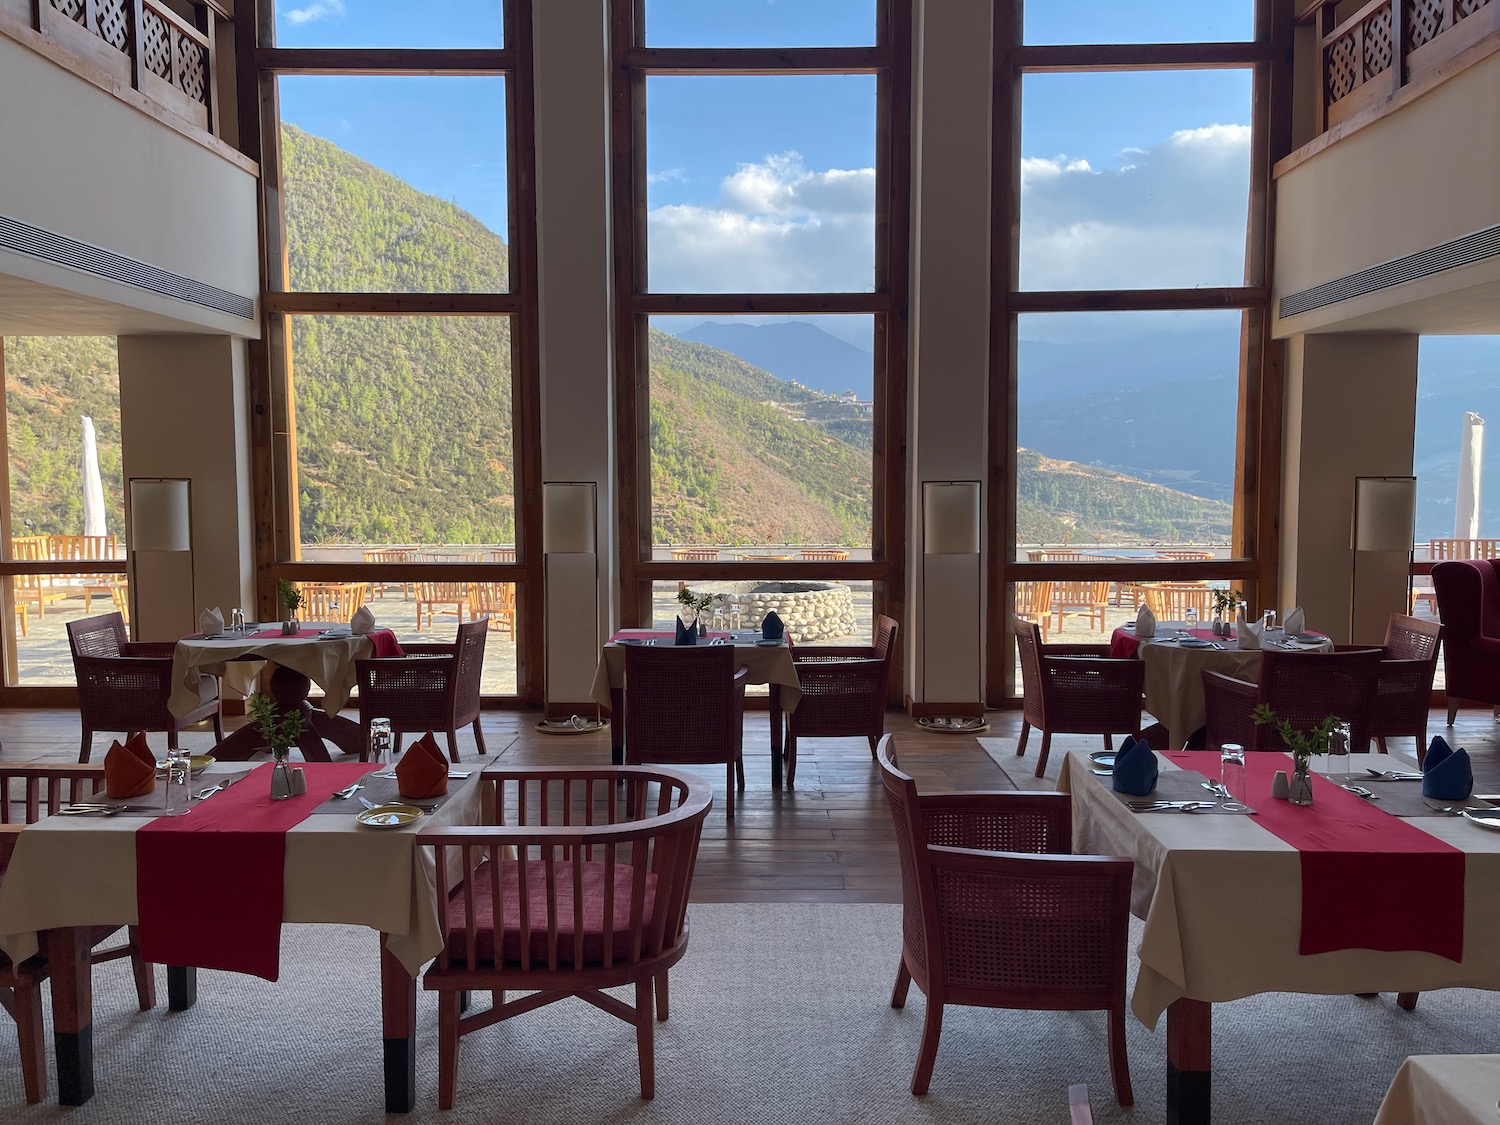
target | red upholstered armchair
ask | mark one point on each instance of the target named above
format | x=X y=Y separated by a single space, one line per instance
x=124 y=686
x=1468 y=597
x=997 y=914
x=580 y=884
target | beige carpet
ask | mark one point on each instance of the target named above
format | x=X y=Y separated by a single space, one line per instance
x=1022 y=770
x=780 y=1015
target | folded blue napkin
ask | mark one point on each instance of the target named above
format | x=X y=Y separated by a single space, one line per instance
x=686 y=634
x=1451 y=779
x=1437 y=750
x=772 y=628
x=1135 y=768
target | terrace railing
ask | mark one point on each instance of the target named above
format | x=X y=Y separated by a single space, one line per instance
x=1369 y=55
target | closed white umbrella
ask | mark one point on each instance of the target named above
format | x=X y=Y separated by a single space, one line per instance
x=93 y=485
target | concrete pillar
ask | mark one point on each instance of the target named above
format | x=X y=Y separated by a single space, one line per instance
x=1351 y=407
x=184 y=414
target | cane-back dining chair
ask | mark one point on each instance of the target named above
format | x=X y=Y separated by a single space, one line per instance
x=433 y=687
x=996 y=913
x=685 y=705
x=27 y=794
x=1403 y=687
x=124 y=686
x=1302 y=688
x=578 y=883
x=1075 y=689
x=843 y=694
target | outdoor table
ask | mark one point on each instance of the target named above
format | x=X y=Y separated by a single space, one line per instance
x=1222 y=896
x=1443 y=1090
x=69 y=873
x=765 y=664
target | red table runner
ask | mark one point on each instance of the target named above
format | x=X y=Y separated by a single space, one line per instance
x=209 y=883
x=1369 y=880
x=664 y=635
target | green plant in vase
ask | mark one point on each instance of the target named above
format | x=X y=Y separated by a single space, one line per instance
x=291 y=599
x=1303 y=744
x=280 y=731
x=697 y=605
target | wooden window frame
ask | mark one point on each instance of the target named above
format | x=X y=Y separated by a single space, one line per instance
x=1257 y=499
x=273 y=432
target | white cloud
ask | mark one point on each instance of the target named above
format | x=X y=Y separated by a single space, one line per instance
x=317 y=10
x=667 y=176
x=777 y=227
x=1170 y=215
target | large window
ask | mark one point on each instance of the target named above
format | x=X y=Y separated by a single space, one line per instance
x=767 y=232
x=400 y=319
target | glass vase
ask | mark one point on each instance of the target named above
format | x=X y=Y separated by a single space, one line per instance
x=281 y=777
x=1301 y=783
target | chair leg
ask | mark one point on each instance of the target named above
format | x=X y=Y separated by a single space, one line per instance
x=1452 y=710
x=645 y=1038
x=218 y=727
x=1109 y=743
x=1380 y=744
x=1021 y=743
x=172 y=738
x=448 y=1004
x=1119 y=1061
x=739 y=771
x=661 y=997
x=932 y=1029
x=452 y=737
x=729 y=791
x=86 y=747
x=28 y=1013
x=903 y=983
x=479 y=738
x=145 y=975
x=789 y=758
x=1041 y=762
x=874 y=741
x=1407 y=1000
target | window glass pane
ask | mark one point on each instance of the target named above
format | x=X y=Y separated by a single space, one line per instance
x=395 y=185
x=1134 y=180
x=62 y=399
x=403 y=434
x=1126 y=431
x=380 y=23
x=814 y=612
x=1161 y=21
x=760 y=23
x=760 y=185
x=762 y=436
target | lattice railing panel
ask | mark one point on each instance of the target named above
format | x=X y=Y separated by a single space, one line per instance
x=113 y=18
x=1379 y=46
x=1469 y=7
x=73 y=9
x=156 y=44
x=1425 y=21
x=192 y=68
x=1343 y=68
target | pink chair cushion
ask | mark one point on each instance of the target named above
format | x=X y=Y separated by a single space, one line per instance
x=536 y=880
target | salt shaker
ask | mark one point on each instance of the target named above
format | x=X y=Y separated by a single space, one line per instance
x=1280 y=786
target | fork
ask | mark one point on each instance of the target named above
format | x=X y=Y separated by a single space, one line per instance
x=346 y=793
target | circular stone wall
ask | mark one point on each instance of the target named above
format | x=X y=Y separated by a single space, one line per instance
x=811 y=611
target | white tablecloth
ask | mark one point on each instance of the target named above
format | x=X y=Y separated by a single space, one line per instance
x=767 y=664
x=1221 y=897
x=326 y=661
x=80 y=871
x=1443 y=1090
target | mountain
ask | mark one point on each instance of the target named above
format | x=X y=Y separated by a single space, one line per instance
x=794 y=350
x=1051 y=370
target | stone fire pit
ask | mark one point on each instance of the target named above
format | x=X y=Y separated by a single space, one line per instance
x=811 y=611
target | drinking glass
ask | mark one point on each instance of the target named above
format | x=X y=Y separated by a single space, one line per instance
x=1190 y=617
x=237 y=621
x=178 y=777
x=1336 y=761
x=380 y=745
x=1232 y=775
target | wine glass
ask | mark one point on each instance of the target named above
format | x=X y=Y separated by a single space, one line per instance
x=1232 y=776
x=379 y=759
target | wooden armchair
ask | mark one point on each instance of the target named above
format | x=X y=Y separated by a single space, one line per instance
x=1033 y=603
x=579 y=884
x=432 y=596
x=1075 y=689
x=41 y=790
x=843 y=694
x=997 y=914
x=433 y=687
x=1080 y=599
x=1302 y=688
x=1403 y=687
x=495 y=600
x=124 y=686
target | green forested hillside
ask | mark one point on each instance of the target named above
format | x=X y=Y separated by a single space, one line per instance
x=404 y=423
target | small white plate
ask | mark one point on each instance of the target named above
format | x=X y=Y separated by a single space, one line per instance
x=389 y=816
x=1483 y=818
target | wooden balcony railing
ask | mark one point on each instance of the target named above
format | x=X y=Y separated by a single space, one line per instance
x=142 y=44
x=1386 y=44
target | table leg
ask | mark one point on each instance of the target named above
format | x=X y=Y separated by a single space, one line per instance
x=182 y=987
x=72 y=1013
x=1189 y=1054
x=617 y=726
x=776 y=735
x=398 y=1020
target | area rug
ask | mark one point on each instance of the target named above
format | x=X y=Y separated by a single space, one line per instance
x=1022 y=769
x=780 y=1014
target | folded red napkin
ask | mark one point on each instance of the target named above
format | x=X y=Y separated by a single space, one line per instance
x=385 y=643
x=129 y=770
x=422 y=770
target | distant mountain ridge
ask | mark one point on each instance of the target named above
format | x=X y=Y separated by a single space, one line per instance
x=793 y=350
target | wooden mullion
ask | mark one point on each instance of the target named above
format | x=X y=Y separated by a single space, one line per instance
x=210 y=85
x=1398 y=43
x=628 y=229
x=385 y=61
x=1130 y=300
x=671 y=304
x=137 y=45
x=395 y=304
x=11 y=668
x=1071 y=57
x=758 y=60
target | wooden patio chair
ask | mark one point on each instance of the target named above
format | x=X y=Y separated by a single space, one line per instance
x=495 y=600
x=843 y=694
x=1186 y=556
x=390 y=555
x=35 y=591
x=433 y=687
x=333 y=602
x=1080 y=599
x=578 y=883
x=1170 y=601
x=822 y=554
x=998 y=914
x=433 y=596
x=1034 y=604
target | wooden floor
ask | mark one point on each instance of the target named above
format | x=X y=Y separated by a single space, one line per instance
x=826 y=840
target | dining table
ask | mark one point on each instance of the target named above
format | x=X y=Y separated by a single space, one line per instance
x=1176 y=656
x=1443 y=1090
x=1347 y=895
x=768 y=663
x=318 y=653
x=210 y=877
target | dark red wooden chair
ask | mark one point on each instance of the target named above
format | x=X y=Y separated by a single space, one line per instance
x=1302 y=688
x=1075 y=689
x=997 y=914
x=579 y=884
x=124 y=686
x=1468 y=598
x=843 y=693
x=433 y=687
x=684 y=706
x=1403 y=688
